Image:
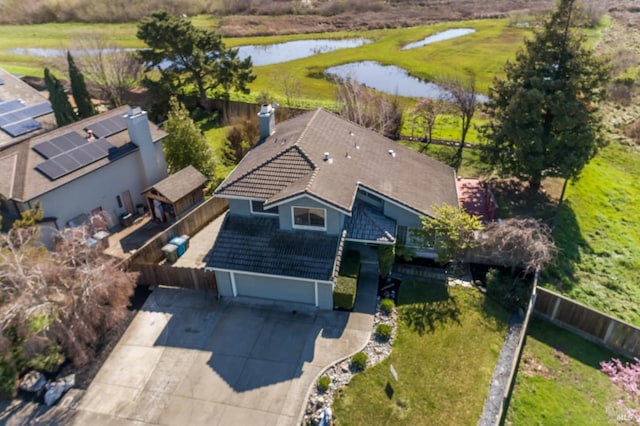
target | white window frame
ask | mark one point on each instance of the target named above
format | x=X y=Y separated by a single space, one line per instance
x=263 y=213
x=309 y=227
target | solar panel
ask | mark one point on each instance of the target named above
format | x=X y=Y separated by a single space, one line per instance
x=80 y=156
x=51 y=170
x=47 y=149
x=38 y=110
x=108 y=126
x=104 y=145
x=67 y=162
x=22 y=127
x=10 y=106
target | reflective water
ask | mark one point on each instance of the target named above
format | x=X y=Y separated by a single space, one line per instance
x=387 y=78
x=284 y=52
x=441 y=36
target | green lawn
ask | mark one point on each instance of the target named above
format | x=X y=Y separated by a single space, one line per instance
x=559 y=382
x=445 y=352
x=598 y=233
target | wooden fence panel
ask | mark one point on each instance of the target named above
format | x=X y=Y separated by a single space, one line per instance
x=192 y=278
x=594 y=325
x=193 y=222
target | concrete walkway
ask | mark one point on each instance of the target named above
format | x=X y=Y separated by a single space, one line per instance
x=188 y=358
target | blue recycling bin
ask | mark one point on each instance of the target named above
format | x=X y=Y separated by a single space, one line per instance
x=181 y=243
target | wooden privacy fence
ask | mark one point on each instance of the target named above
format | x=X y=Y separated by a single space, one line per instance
x=193 y=222
x=197 y=279
x=594 y=325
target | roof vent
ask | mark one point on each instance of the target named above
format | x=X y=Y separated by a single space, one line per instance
x=326 y=158
x=392 y=153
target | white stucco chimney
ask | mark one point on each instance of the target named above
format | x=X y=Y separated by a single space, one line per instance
x=153 y=162
x=267 y=121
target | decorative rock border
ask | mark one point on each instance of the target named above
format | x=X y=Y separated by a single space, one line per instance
x=341 y=372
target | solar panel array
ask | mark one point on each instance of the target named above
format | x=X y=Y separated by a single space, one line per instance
x=108 y=127
x=17 y=119
x=79 y=156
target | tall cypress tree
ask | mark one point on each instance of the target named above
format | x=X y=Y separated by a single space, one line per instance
x=79 y=89
x=62 y=109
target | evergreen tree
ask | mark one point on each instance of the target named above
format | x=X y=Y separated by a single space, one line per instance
x=62 y=109
x=186 y=55
x=544 y=119
x=79 y=89
x=186 y=145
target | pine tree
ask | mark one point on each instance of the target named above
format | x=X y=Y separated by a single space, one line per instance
x=79 y=89
x=62 y=109
x=185 y=144
x=544 y=119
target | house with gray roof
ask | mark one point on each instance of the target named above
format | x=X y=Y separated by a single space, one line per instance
x=100 y=164
x=309 y=187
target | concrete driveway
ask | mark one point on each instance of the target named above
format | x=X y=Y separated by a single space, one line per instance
x=188 y=358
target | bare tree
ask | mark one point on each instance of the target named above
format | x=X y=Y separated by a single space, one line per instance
x=461 y=92
x=518 y=243
x=368 y=108
x=56 y=305
x=114 y=70
x=424 y=116
x=291 y=87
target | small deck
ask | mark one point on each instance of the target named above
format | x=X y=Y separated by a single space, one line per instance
x=477 y=199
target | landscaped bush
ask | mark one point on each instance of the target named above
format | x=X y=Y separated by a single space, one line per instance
x=359 y=361
x=323 y=383
x=511 y=292
x=344 y=294
x=383 y=331
x=387 y=305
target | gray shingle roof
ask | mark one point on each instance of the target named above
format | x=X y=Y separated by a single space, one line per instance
x=257 y=245
x=366 y=224
x=179 y=184
x=358 y=157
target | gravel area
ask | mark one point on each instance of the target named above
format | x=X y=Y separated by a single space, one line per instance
x=342 y=372
x=501 y=374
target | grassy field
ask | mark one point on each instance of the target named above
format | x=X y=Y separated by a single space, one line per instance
x=445 y=352
x=559 y=381
x=483 y=52
x=598 y=232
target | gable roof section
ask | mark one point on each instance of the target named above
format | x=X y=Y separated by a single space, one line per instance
x=179 y=184
x=29 y=183
x=271 y=176
x=367 y=224
x=257 y=245
x=358 y=156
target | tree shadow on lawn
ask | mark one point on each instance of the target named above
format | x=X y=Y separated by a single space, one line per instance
x=515 y=199
x=571 y=244
x=424 y=306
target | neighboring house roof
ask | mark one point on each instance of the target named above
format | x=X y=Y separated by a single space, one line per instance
x=256 y=244
x=291 y=163
x=23 y=182
x=179 y=184
x=367 y=224
x=15 y=91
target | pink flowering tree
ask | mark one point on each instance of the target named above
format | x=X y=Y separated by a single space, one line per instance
x=626 y=376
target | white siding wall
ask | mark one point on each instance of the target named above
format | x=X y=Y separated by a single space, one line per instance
x=97 y=189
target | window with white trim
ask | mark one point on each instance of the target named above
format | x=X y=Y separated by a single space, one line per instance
x=257 y=207
x=306 y=217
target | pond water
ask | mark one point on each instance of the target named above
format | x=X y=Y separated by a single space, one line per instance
x=284 y=52
x=441 y=36
x=387 y=78
x=260 y=54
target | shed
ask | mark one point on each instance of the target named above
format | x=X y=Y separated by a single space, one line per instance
x=175 y=195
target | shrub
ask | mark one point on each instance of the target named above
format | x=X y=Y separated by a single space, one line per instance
x=323 y=383
x=359 y=361
x=387 y=305
x=8 y=378
x=383 y=331
x=511 y=292
x=344 y=294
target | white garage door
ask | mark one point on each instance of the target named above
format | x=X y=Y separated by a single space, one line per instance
x=289 y=290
